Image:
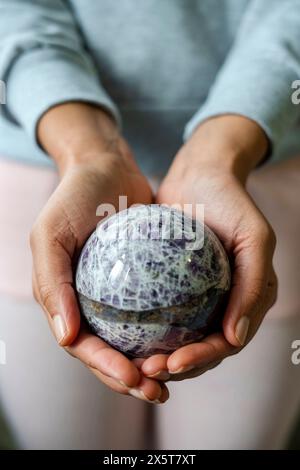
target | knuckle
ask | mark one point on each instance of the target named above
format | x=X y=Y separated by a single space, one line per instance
x=255 y=294
x=274 y=293
x=235 y=351
x=263 y=231
x=45 y=294
x=272 y=238
x=35 y=293
x=266 y=234
x=70 y=351
x=216 y=364
x=274 y=280
x=37 y=233
x=273 y=299
x=93 y=359
x=32 y=237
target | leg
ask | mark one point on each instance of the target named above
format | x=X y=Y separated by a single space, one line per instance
x=50 y=400
x=251 y=400
x=53 y=402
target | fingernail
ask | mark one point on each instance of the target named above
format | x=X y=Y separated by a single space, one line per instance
x=59 y=327
x=161 y=375
x=123 y=384
x=241 y=330
x=182 y=370
x=136 y=393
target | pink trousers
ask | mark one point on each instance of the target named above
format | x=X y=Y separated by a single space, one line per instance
x=52 y=402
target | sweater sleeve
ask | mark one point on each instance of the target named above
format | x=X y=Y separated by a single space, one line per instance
x=256 y=78
x=43 y=62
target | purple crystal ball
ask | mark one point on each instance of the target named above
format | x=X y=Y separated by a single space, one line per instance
x=151 y=279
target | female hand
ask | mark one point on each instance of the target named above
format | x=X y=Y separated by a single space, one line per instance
x=96 y=166
x=212 y=169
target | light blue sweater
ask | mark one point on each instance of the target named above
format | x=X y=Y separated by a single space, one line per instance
x=159 y=66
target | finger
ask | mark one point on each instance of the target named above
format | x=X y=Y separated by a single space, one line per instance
x=151 y=389
x=272 y=290
x=156 y=367
x=194 y=372
x=253 y=261
x=53 y=280
x=199 y=355
x=147 y=390
x=70 y=302
x=113 y=368
x=153 y=367
x=97 y=354
x=113 y=384
x=268 y=302
x=138 y=362
x=165 y=394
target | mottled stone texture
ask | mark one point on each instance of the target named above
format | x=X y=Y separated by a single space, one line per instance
x=150 y=279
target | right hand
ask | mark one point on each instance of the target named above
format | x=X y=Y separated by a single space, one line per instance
x=99 y=175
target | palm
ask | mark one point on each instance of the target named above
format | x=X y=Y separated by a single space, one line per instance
x=69 y=217
x=227 y=211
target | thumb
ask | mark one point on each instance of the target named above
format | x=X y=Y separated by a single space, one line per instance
x=52 y=285
x=247 y=306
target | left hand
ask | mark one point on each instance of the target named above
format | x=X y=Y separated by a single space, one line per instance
x=96 y=166
x=212 y=169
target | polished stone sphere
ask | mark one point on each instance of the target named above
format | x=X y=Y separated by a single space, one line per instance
x=151 y=279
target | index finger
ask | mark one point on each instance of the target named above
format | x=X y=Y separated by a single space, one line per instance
x=212 y=348
x=114 y=369
x=97 y=354
x=252 y=271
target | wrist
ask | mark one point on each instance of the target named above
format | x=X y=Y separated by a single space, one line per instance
x=76 y=133
x=228 y=143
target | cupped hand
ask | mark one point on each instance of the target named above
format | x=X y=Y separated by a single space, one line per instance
x=99 y=176
x=214 y=174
